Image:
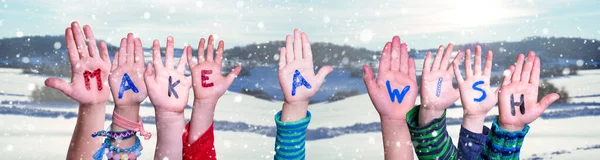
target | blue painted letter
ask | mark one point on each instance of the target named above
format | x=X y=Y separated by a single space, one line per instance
x=396 y=93
x=125 y=87
x=172 y=87
x=297 y=81
x=483 y=95
x=438 y=90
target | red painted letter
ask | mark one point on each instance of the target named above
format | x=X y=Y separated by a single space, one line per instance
x=204 y=78
x=96 y=74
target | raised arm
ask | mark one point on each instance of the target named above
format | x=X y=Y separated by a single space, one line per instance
x=477 y=100
x=209 y=85
x=393 y=94
x=88 y=70
x=168 y=89
x=518 y=106
x=298 y=83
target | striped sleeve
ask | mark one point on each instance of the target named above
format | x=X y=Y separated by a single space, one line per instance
x=432 y=140
x=290 y=140
x=503 y=144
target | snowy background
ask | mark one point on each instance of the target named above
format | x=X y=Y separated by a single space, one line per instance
x=350 y=34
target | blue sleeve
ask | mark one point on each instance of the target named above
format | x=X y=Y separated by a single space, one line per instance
x=291 y=136
x=470 y=145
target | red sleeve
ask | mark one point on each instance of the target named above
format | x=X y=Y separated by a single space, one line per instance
x=202 y=149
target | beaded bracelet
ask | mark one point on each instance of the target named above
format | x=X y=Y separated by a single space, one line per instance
x=112 y=151
x=115 y=135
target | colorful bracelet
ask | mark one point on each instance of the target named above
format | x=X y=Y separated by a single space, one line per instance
x=115 y=135
x=129 y=125
x=112 y=151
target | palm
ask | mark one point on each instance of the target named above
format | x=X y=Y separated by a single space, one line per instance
x=522 y=81
x=129 y=60
x=397 y=70
x=165 y=78
x=475 y=93
x=214 y=85
x=429 y=90
x=84 y=58
x=295 y=60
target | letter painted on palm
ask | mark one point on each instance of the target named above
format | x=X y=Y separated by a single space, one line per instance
x=172 y=87
x=395 y=93
x=87 y=75
x=127 y=84
x=438 y=90
x=514 y=104
x=205 y=78
x=483 y=94
x=298 y=81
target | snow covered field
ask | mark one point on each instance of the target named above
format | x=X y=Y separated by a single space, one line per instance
x=25 y=137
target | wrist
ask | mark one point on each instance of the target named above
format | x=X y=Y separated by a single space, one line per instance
x=511 y=127
x=473 y=123
x=205 y=102
x=428 y=114
x=394 y=122
x=293 y=111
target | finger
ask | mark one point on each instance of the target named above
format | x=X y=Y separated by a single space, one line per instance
x=115 y=62
x=139 y=53
x=79 y=40
x=219 y=57
x=404 y=62
x=183 y=59
x=104 y=52
x=210 y=57
x=438 y=58
x=468 y=69
x=122 y=52
x=233 y=74
x=548 y=100
x=282 y=57
x=201 y=51
x=59 y=84
x=130 y=49
x=527 y=67
x=412 y=73
x=507 y=75
x=487 y=71
x=169 y=52
x=518 y=68
x=386 y=59
x=395 y=63
x=297 y=44
x=148 y=76
x=369 y=78
x=189 y=57
x=306 y=50
x=477 y=65
x=456 y=69
x=71 y=46
x=535 y=73
x=427 y=63
x=446 y=58
x=289 y=45
x=156 y=57
x=323 y=72
x=92 y=46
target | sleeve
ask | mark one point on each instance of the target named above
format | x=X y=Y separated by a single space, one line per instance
x=503 y=144
x=430 y=141
x=201 y=149
x=470 y=145
x=290 y=140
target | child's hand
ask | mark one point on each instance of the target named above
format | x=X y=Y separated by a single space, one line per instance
x=296 y=74
x=126 y=77
x=89 y=70
x=475 y=93
x=168 y=88
x=518 y=94
x=437 y=92
x=394 y=92
x=207 y=80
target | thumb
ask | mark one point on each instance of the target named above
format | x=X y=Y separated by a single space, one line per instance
x=323 y=72
x=369 y=78
x=233 y=74
x=548 y=100
x=59 y=84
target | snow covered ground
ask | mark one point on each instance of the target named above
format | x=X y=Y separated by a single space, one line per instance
x=25 y=137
